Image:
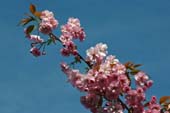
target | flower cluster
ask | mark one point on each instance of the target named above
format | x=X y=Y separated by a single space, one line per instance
x=71 y=30
x=46 y=25
x=108 y=79
x=135 y=98
x=153 y=107
x=35 y=40
x=143 y=81
x=113 y=107
x=97 y=53
x=48 y=22
x=91 y=101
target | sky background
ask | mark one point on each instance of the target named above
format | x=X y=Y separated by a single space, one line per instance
x=135 y=30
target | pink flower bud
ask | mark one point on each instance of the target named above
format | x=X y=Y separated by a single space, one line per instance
x=35 y=51
x=149 y=83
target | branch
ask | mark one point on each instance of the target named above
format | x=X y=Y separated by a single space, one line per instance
x=54 y=38
x=123 y=104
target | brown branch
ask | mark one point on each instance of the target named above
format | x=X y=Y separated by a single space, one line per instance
x=124 y=105
x=54 y=38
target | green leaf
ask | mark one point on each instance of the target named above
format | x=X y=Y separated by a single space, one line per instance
x=49 y=41
x=134 y=71
x=30 y=29
x=137 y=65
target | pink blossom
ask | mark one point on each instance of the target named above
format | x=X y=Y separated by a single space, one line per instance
x=48 y=22
x=113 y=108
x=71 y=30
x=97 y=53
x=69 y=48
x=74 y=29
x=141 y=77
x=74 y=22
x=143 y=80
x=74 y=77
x=108 y=79
x=45 y=28
x=35 y=38
x=112 y=65
x=35 y=51
x=135 y=97
x=65 y=37
x=102 y=80
x=153 y=107
x=65 y=52
x=91 y=101
x=46 y=14
x=149 y=83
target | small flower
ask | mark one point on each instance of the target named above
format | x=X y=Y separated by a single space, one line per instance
x=153 y=106
x=46 y=14
x=43 y=53
x=65 y=52
x=91 y=101
x=35 y=51
x=36 y=38
x=97 y=53
x=45 y=28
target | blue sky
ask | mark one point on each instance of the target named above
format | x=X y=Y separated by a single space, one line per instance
x=135 y=30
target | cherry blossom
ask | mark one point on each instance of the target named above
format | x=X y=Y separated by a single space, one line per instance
x=97 y=53
x=109 y=85
x=48 y=22
x=73 y=29
x=35 y=51
x=36 y=38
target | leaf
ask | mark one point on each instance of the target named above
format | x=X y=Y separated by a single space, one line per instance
x=134 y=71
x=77 y=59
x=128 y=64
x=49 y=41
x=34 y=12
x=32 y=8
x=37 y=14
x=137 y=65
x=30 y=29
x=25 y=21
x=164 y=100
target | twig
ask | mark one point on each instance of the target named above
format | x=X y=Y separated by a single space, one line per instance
x=54 y=38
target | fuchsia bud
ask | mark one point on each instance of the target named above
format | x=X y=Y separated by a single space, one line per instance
x=43 y=53
x=35 y=51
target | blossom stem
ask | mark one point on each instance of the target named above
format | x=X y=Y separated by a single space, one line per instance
x=123 y=104
x=54 y=38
